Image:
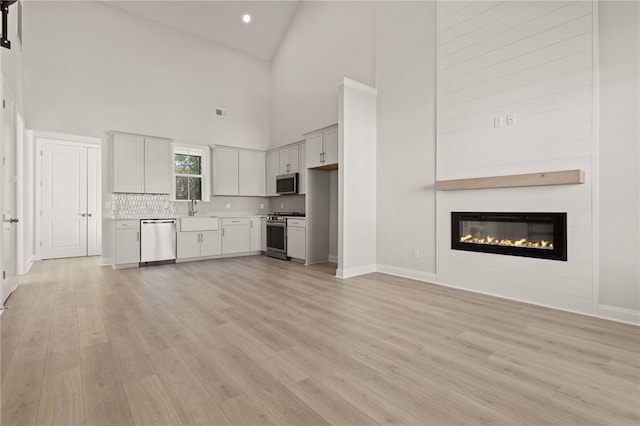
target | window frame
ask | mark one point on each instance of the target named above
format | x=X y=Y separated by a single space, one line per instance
x=205 y=171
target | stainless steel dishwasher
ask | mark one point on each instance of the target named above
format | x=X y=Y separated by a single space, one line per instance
x=157 y=240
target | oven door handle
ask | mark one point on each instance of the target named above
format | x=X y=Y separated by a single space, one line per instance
x=279 y=225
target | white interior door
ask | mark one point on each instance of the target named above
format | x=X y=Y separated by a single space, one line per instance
x=9 y=242
x=94 y=207
x=64 y=201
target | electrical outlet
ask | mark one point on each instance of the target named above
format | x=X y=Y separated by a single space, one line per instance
x=282 y=205
x=416 y=253
x=497 y=122
x=261 y=206
x=228 y=205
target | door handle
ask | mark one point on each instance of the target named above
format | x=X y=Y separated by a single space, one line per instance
x=89 y=214
x=83 y=214
x=14 y=220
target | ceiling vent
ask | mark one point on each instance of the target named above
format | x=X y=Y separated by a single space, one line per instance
x=222 y=113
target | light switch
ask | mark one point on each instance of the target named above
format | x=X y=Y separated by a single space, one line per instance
x=511 y=119
x=228 y=205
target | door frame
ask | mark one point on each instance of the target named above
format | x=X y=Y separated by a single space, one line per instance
x=42 y=137
x=21 y=263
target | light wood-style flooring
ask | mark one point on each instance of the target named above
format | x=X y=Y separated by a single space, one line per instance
x=260 y=341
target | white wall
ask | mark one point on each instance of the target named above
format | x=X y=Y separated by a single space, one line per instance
x=12 y=62
x=325 y=42
x=406 y=79
x=533 y=60
x=333 y=216
x=28 y=209
x=357 y=157
x=619 y=155
x=100 y=68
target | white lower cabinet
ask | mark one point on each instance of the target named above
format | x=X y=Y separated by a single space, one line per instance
x=297 y=239
x=188 y=245
x=210 y=243
x=256 y=234
x=198 y=244
x=236 y=235
x=127 y=243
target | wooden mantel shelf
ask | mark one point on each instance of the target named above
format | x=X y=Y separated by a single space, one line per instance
x=562 y=177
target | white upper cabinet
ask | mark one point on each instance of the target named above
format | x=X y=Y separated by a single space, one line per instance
x=225 y=171
x=273 y=170
x=238 y=172
x=128 y=163
x=314 y=148
x=289 y=160
x=157 y=166
x=322 y=147
x=330 y=137
x=251 y=176
x=141 y=164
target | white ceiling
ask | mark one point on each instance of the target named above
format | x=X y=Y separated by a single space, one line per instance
x=221 y=21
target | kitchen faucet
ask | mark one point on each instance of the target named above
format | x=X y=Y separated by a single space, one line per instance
x=192 y=206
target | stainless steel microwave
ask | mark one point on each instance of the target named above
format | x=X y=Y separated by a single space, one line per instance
x=287 y=184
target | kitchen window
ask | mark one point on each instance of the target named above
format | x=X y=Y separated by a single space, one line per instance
x=191 y=173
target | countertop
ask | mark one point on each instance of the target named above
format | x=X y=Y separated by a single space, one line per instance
x=197 y=215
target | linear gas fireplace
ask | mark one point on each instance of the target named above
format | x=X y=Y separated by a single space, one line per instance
x=539 y=235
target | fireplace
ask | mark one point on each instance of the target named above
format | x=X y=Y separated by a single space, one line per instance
x=538 y=235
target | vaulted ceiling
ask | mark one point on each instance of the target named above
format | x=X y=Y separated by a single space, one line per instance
x=221 y=21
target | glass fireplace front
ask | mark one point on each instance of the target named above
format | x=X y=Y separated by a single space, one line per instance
x=539 y=235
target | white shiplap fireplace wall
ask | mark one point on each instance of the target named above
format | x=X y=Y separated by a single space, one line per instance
x=533 y=60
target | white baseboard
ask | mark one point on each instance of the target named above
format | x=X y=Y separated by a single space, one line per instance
x=27 y=268
x=407 y=273
x=333 y=258
x=354 y=272
x=614 y=313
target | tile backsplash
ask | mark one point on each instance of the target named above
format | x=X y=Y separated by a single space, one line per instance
x=149 y=206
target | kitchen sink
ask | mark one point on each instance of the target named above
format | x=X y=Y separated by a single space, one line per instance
x=199 y=223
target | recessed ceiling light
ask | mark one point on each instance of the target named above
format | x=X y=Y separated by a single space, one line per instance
x=246 y=18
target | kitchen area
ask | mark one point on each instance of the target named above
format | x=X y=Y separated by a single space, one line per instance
x=226 y=202
x=311 y=201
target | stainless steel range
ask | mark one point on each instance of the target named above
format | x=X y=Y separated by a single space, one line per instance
x=277 y=233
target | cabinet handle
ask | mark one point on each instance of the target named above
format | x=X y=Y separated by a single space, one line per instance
x=138 y=236
x=223 y=232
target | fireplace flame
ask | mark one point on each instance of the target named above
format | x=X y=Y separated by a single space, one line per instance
x=522 y=242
